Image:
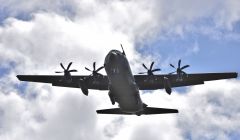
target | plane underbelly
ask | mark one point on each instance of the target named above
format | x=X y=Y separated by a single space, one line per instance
x=127 y=96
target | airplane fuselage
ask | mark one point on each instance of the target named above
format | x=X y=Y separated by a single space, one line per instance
x=122 y=85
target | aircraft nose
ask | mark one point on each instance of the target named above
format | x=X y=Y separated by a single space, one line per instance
x=111 y=57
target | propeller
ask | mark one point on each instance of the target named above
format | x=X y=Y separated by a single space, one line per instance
x=66 y=72
x=150 y=71
x=179 y=69
x=95 y=71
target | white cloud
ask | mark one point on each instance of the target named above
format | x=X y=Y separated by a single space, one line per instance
x=49 y=39
x=63 y=115
x=112 y=129
x=140 y=19
x=212 y=111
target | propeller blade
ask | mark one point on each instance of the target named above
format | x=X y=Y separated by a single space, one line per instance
x=99 y=68
x=94 y=66
x=184 y=67
x=69 y=65
x=72 y=70
x=142 y=72
x=58 y=72
x=145 y=66
x=184 y=72
x=179 y=63
x=87 y=69
x=172 y=72
x=172 y=66
x=151 y=66
x=62 y=66
x=156 y=70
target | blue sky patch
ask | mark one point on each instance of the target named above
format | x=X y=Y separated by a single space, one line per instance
x=3 y=71
x=6 y=68
x=202 y=53
x=21 y=87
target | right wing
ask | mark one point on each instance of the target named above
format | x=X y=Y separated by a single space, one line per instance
x=91 y=82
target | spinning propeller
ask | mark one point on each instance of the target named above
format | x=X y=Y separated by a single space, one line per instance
x=95 y=71
x=149 y=71
x=66 y=71
x=179 y=69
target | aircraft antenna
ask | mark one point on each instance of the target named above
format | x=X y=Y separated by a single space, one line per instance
x=122 y=50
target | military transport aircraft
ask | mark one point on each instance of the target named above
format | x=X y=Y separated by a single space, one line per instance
x=123 y=86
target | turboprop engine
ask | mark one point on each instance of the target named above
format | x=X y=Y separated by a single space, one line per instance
x=83 y=87
x=167 y=85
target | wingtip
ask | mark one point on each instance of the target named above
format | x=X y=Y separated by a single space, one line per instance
x=18 y=77
x=235 y=75
x=177 y=111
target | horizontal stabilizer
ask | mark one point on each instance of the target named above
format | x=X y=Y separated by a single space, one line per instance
x=112 y=111
x=152 y=110
x=146 y=111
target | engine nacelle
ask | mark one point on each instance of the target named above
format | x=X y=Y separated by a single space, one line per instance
x=84 y=91
x=67 y=78
x=83 y=87
x=110 y=94
x=111 y=97
x=167 y=85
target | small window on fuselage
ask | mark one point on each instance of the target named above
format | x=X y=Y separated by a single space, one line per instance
x=115 y=71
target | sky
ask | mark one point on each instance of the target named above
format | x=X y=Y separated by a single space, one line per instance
x=35 y=36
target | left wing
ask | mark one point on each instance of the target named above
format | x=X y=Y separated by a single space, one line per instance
x=91 y=82
x=146 y=82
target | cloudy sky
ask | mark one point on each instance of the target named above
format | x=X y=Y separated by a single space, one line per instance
x=35 y=36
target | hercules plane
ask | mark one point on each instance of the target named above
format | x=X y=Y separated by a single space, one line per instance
x=123 y=86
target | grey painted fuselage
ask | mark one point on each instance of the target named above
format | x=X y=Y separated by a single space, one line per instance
x=122 y=85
